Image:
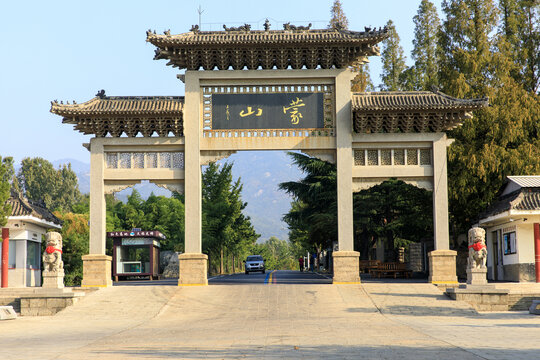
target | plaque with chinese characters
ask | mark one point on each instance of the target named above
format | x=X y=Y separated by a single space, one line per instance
x=267 y=111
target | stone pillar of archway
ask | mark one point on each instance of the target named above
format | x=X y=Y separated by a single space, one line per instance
x=97 y=265
x=346 y=260
x=193 y=263
x=442 y=261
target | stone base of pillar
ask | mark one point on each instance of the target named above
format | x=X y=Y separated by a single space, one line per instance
x=442 y=268
x=193 y=269
x=346 y=267
x=477 y=276
x=53 y=280
x=96 y=271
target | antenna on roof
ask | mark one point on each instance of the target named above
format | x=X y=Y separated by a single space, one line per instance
x=200 y=11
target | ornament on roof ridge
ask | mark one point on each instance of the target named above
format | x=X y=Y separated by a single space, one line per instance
x=194 y=28
x=245 y=27
x=266 y=25
x=288 y=26
x=100 y=94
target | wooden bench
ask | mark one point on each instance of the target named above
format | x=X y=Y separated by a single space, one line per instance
x=367 y=265
x=391 y=269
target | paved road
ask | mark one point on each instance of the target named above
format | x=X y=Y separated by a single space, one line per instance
x=297 y=318
x=272 y=277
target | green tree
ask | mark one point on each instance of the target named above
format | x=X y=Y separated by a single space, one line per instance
x=424 y=73
x=393 y=211
x=75 y=243
x=40 y=181
x=225 y=230
x=6 y=175
x=520 y=26
x=362 y=81
x=314 y=215
x=393 y=60
x=501 y=140
x=337 y=17
x=278 y=254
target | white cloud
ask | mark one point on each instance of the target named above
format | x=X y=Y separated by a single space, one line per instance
x=267 y=174
x=259 y=193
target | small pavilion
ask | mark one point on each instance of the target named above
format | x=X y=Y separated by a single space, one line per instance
x=27 y=224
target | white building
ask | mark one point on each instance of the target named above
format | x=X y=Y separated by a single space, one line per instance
x=28 y=223
x=509 y=224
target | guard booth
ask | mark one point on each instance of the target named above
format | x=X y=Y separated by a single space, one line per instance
x=135 y=254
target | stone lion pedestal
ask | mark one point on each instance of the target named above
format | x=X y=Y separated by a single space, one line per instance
x=53 y=273
x=478 y=293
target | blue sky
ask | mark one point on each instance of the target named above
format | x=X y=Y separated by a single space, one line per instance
x=68 y=50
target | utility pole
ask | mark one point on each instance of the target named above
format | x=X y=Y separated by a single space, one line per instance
x=200 y=11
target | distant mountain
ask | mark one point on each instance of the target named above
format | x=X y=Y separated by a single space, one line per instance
x=260 y=173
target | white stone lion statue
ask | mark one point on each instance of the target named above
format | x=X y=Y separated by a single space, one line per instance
x=477 y=248
x=52 y=257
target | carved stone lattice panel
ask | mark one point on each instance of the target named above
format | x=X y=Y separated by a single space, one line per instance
x=165 y=160
x=138 y=160
x=125 y=160
x=328 y=110
x=386 y=157
x=112 y=160
x=389 y=157
x=359 y=158
x=425 y=157
x=144 y=160
x=412 y=156
x=151 y=160
x=399 y=157
x=373 y=157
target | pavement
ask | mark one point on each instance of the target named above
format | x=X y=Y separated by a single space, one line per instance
x=287 y=319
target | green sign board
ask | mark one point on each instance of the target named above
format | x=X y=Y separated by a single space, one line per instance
x=267 y=111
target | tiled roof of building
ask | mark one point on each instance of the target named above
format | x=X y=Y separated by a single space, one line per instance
x=525 y=199
x=526 y=181
x=413 y=100
x=131 y=115
x=415 y=111
x=295 y=47
x=21 y=206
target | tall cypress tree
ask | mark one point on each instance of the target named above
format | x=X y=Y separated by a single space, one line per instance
x=393 y=60
x=498 y=141
x=362 y=80
x=520 y=27
x=337 y=17
x=424 y=52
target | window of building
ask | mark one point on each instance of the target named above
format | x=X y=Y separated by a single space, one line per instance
x=12 y=254
x=509 y=240
x=33 y=255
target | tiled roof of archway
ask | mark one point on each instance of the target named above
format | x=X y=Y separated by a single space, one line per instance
x=267 y=49
x=131 y=115
x=120 y=105
x=412 y=100
x=415 y=111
